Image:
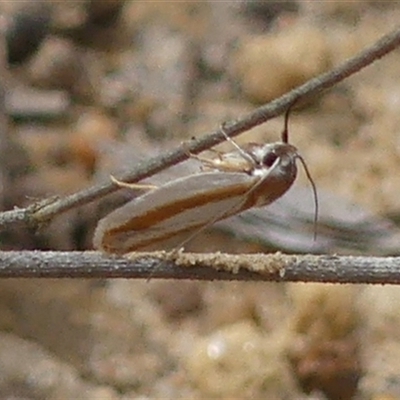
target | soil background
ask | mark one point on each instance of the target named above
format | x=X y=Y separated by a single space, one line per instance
x=93 y=87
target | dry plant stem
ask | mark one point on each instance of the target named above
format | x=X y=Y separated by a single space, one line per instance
x=36 y=215
x=271 y=267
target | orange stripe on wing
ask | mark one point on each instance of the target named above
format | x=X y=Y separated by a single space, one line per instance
x=169 y=210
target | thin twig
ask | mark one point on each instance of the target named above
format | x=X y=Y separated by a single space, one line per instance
x=253 y=267
x=37 y=215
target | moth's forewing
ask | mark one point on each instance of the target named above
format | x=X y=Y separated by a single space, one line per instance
x=178 y=207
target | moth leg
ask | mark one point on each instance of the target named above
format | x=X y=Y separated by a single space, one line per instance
x=247 y=156
x=220 y=163
x=133 y=186
x=209 y=162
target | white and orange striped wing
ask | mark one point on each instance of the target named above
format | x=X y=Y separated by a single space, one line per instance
x=178 y=207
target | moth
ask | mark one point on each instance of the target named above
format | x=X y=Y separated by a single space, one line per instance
x=252 y=176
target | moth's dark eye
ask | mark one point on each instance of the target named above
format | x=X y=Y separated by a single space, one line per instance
x=269 y=159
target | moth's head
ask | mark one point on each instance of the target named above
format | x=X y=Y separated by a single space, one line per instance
x=277 y=157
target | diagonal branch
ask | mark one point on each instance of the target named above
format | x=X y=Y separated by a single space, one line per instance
x=252 y=267
x=44 y=211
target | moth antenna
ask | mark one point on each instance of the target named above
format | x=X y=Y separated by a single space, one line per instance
x=315 y=194
x=285 y=132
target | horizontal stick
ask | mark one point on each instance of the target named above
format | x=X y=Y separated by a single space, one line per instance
x=252 y=267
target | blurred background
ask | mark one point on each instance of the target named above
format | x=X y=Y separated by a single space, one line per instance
x=91 y=88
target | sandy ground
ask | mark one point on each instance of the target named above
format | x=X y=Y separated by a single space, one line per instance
x=113 y=82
